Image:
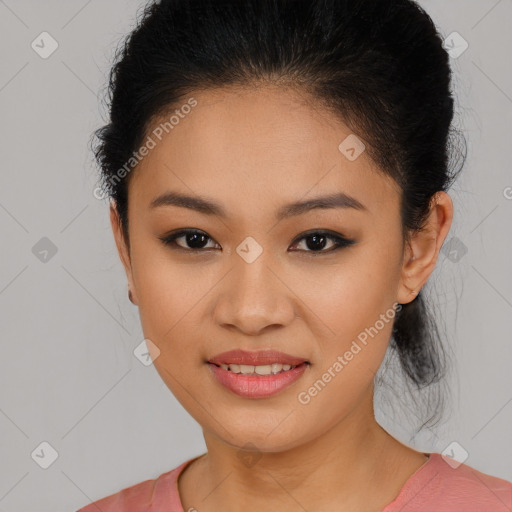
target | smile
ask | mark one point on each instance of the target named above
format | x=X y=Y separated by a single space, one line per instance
x=266 y=369
x=260 y=381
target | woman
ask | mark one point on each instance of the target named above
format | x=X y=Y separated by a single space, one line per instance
x=278 y=174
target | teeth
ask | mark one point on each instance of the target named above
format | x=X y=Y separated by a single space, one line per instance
x=266 y=369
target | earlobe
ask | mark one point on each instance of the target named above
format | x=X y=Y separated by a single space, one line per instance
x=422 y=251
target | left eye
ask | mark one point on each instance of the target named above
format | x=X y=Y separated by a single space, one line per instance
x=315 y=241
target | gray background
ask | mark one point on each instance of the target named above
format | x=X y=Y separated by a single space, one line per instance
x=68 y=374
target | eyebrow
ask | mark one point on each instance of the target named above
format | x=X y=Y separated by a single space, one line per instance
x=211 y=207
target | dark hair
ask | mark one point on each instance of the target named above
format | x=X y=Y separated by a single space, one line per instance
x=379 y=65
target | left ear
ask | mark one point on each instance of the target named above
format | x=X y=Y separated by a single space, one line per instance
x=420 y=255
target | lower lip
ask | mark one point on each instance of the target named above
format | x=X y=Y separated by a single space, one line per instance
x=257 y=386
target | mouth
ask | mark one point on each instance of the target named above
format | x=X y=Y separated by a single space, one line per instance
x=257 y=370
x=261 y=358
x=257 y=374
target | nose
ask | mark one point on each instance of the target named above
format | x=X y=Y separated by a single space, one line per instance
x=254 y=297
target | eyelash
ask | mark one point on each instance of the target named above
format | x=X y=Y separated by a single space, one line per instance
x=339 y=240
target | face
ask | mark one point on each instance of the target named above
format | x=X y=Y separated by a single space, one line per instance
x=309 y=282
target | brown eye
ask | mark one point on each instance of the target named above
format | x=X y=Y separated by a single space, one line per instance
x=193 y=240
x=316 y=241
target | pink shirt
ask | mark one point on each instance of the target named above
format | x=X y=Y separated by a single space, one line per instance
x=434 y=487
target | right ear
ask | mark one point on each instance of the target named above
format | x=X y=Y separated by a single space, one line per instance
x=122 y=248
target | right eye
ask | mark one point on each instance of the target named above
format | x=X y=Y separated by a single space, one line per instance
x=193 y=237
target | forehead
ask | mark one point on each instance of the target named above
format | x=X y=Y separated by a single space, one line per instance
x=271 y=144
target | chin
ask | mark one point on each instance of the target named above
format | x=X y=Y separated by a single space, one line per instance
x=262 y=438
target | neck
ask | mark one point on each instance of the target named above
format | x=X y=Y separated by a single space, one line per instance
x=351 y=463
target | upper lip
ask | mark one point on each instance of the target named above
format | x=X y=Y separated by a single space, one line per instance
x=256 y=358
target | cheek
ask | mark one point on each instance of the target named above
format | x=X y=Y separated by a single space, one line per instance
x=345 y=299
x=168 y=292
x=169 y=301
x=352 y=306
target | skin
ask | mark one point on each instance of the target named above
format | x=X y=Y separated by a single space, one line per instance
x=253 y=150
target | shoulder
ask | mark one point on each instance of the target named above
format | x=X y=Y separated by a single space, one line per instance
x=130 y=499
x=149 y=495
x=445 y=485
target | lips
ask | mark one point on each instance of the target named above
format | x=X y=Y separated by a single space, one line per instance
x=256 y=358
